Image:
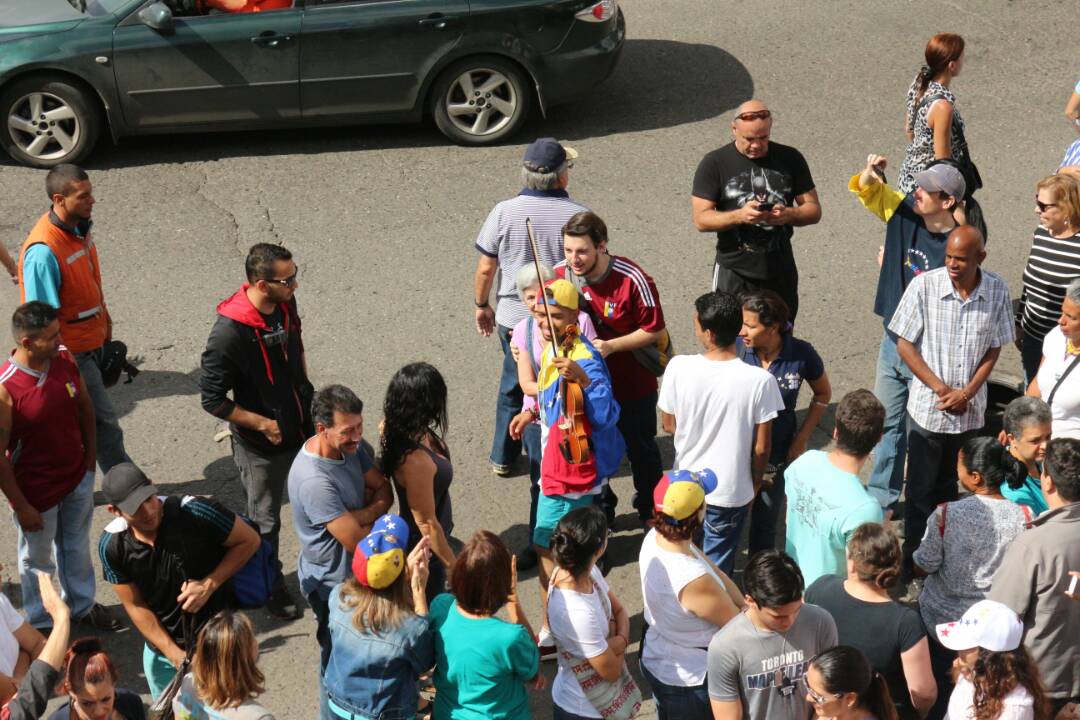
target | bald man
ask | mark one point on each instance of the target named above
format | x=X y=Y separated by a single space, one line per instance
x=950 y=325
x=751 y=193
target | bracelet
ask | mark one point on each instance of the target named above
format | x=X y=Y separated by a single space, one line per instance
x=481 y=305
x=819 y=404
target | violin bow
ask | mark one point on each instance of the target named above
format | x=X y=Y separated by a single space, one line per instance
x=540 y=279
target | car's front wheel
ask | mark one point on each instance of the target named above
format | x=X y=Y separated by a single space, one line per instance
x=480 y=101
x=48 y=120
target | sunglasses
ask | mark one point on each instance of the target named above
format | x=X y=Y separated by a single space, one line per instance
x=755 y=115
x=285 y=282
x=1042 y=206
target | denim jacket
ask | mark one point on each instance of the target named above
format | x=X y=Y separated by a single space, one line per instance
x=373 y=677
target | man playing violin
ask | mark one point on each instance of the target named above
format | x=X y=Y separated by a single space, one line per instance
x=579 y=437
x=633 y=340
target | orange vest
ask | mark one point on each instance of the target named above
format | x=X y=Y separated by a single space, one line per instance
x=83 y=320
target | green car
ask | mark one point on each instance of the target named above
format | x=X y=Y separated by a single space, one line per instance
x=71 y=69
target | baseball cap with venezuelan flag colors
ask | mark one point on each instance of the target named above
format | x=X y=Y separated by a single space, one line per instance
x=680 y=493
x=380 y=557
x=560 y=293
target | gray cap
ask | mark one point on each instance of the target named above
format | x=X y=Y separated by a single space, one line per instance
x=127 y=487
x=942 y=178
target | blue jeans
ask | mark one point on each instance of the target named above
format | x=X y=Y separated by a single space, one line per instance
x=1030 y=357
x=723 y=528
x=531 y=440
x=319 y=600
x=765 y=513
x=110 y=438
x=62 y=546
x=891 y=386
x=690 y=702
x=505 y=449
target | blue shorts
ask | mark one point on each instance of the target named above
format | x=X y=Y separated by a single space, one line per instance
x=550 y=510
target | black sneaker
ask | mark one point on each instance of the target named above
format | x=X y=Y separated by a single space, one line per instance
x=282 y=606
x=100 y=618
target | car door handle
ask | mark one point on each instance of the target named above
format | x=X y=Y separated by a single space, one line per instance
x=439 y=22
x=271 y=39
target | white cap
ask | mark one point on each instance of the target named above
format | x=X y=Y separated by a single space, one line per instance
x=986 y=624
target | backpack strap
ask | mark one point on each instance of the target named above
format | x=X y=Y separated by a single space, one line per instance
x=944 y=508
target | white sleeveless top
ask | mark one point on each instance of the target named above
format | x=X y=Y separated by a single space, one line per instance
x=677 y=641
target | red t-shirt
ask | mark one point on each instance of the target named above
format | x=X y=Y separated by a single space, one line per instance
x=623 y=300
x=46 y=445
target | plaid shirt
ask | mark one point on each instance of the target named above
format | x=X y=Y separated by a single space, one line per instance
x=952 y=336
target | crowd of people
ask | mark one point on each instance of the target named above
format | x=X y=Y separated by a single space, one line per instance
x=410 y=623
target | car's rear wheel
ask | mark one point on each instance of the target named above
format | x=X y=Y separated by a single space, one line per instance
x=480 y=101
x=48 y=120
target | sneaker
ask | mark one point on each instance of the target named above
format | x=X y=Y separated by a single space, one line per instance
x=282 y=606
x=526 y=558
x=100 y=618
x=502 y=470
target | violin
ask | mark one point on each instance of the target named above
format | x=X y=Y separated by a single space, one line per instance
x=575 y=442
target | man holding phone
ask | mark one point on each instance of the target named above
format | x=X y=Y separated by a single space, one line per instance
x=751 y=193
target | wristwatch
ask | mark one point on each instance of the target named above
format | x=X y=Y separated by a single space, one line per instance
x=481 y=305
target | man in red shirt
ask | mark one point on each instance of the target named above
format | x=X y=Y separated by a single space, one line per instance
x=631 y=336
x=47 y=432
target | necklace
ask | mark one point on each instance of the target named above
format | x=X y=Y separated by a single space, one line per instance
x=784 y=685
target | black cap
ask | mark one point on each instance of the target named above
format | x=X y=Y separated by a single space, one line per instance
x=127 y=487
x=546 y=155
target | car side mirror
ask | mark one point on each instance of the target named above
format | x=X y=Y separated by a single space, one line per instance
x=157 y=16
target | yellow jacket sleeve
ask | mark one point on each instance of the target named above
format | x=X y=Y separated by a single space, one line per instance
x=879 y=198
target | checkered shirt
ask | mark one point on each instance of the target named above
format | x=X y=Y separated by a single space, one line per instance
x=952 y=336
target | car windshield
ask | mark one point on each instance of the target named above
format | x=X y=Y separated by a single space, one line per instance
x=96 y=8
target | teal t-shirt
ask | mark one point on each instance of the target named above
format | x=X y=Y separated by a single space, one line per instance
x=1030 y=494
x=481 y=665
x=824 y=506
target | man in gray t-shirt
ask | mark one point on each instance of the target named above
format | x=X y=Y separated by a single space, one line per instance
x=336 y=494
x=757 y=661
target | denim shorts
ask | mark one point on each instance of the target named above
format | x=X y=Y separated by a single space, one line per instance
x=550 y=509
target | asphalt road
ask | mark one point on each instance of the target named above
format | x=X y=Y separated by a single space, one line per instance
x=382 y=222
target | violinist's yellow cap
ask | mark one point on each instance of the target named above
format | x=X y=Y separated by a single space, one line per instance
x=561 y=293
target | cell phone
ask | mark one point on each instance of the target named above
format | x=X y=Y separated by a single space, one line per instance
x=880 y=172
x=1072 y=585
x=765 y=207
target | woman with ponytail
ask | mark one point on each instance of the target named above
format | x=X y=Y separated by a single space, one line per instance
x=890 y=635
x=590 y=626
x=840 y=683
x=934 y=127
x=965 y=542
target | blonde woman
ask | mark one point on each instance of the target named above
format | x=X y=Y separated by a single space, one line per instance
x=224 y=679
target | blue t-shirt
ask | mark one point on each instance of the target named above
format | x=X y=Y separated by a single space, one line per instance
x=910 y=250
x=41 y=275
x=1030 y=494
x=798 y=361
x=320 y=490
x=824 y=506
x=481 y=665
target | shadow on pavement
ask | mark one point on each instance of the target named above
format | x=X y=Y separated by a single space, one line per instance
x=153 y=384
x=657 y=84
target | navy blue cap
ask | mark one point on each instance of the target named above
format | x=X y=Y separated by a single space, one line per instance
x=546 y=155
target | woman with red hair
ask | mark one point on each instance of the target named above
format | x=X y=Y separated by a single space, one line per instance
x=933 y=124
x=89 y=679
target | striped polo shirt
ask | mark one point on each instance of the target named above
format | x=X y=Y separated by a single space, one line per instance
x=504 y=237
x=1051 y=266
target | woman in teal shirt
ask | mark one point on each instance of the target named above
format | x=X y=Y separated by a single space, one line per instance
x=482 y=663
x=1027 y=423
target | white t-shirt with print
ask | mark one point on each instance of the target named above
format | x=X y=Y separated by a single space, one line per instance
x=717 y=404
x=10 y=621
x=579 y=624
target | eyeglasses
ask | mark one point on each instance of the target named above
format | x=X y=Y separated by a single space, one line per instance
x=819 y=699
x=755 y=115
x=285 y=282
x=1042 y=206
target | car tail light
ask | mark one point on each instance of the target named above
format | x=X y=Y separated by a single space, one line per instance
x=601 y=11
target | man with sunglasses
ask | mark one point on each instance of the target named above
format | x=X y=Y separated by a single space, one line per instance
x=256 y=352
x=751 y=193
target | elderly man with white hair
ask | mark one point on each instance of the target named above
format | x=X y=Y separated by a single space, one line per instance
x=751 y=193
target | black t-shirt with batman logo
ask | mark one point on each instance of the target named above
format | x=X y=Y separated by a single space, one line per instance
x=731 y=180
